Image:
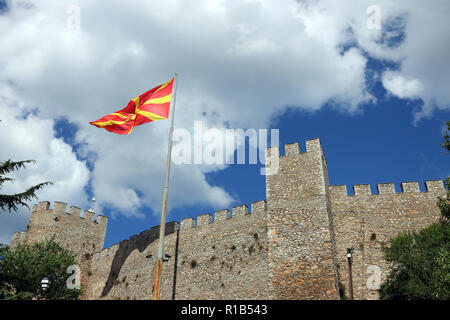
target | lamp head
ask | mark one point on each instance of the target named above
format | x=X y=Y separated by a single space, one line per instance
x=45 y=283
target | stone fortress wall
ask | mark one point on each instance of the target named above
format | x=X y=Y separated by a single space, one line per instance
x=292 y=245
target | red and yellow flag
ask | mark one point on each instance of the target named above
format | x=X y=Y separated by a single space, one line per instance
x=149 y=106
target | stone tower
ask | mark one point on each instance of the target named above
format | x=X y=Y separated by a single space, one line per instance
x=300 y=226
x=79 y=233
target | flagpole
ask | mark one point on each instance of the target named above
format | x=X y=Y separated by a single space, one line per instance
x=159 y=258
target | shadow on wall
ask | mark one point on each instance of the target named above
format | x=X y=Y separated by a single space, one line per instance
x=140 y=242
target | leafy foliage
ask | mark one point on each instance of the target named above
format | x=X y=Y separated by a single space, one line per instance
x=444 y=202
x=446 y=143
x=420 y=264
x=22 y=269
x=12 y=202
x=342 y=291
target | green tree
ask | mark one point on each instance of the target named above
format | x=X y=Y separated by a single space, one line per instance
x=420 y=264
x=446 y=143
x=13 y=201
x=23 y=268
x=444 y=202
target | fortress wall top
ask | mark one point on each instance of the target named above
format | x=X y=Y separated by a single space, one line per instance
x=42 y=205
x=78 y=233
x=16 y=238
x=435 y=186
x=338 y=191
x=59 y=208
x=204 y=219
x=141 y=240
x=386 y=188
x=286 y=171
x=412 y=186
x=89 y=216
x=187 y=223
x=291 y=148
x=222 y=215
x=101 y=219
x=75 y=211
x=312 y=146
x=257 y=208
x=240 y=211
x=363 y=190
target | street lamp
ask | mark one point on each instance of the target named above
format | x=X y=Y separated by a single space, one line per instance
x=349 y=259
x=349 y=254
x=45 y=283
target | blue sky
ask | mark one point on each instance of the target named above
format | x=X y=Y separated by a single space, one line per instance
x=376 y=97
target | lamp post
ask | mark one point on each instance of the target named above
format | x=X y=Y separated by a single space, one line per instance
x=350 y=279
x=46 y=283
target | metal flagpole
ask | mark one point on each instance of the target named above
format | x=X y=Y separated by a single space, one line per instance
x=159 y=258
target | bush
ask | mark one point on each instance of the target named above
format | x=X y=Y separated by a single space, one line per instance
x=420 y=265
x=22 y=269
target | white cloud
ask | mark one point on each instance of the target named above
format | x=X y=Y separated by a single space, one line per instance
x=413 y=34
x=401 y=87
x=28 y=136
x=240 y=62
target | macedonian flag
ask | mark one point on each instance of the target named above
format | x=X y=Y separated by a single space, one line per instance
x=149 y=106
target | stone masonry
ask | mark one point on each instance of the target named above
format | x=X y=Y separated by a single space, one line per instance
x=292 y=245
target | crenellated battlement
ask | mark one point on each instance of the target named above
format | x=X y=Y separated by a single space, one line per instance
x=59 y=211
x=257 y=208
x=312 y=146
x=435 y=186
x=78 y=230
x=431 y=186
x=17 y=237
x=146 y=236
x=140 y=240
